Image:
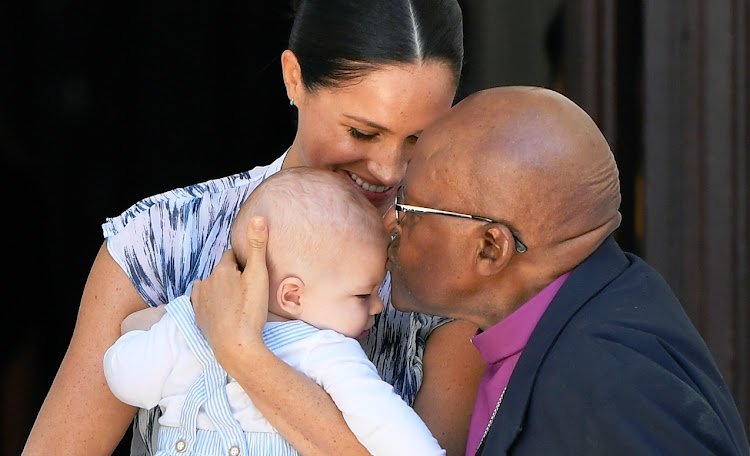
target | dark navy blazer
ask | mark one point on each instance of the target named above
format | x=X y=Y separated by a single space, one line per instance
x=615 y=367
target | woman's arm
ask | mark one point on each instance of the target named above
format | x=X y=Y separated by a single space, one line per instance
x=452 y=370
x=230 y=308
x=80 y=416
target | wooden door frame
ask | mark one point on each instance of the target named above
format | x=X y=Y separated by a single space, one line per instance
x=684 y=145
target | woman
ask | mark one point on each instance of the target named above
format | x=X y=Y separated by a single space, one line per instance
x=366 y=78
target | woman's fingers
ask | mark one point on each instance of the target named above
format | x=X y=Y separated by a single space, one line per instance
x=230 y=305
x=255 y=274
x=217 y=299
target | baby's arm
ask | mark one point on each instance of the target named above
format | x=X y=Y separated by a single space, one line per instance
x=137 y=365
x=143 y=319
x=380 y=419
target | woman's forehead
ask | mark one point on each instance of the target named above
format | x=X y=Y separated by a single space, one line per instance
x=396 y=91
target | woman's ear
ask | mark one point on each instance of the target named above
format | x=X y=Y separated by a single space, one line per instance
x=495 y=249
x=288 y=296
x=292 y=75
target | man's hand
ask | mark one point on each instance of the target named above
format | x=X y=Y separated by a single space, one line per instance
x=231 y=305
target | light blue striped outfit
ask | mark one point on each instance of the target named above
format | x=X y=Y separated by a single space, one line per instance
x=208 y=392
x=165 y=242
x=206 y=412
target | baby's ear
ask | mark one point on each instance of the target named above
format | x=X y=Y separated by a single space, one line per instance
x=288 y=295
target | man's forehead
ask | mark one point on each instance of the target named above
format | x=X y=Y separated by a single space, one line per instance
x=430 y=177
x=421 y=170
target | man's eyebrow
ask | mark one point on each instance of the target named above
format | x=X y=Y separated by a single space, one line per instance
x=368 y=122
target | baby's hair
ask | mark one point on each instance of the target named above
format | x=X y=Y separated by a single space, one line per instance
x=309 y=213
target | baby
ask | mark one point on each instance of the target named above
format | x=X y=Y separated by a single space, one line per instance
x=326 y=261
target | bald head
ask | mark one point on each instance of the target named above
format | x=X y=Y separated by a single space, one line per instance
x=533 y=158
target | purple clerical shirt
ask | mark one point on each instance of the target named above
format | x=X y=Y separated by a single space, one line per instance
x=500 y=347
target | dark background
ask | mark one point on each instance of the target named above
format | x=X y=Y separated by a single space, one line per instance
x=102 y=104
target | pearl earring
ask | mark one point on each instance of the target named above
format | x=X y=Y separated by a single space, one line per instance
x=291 y=102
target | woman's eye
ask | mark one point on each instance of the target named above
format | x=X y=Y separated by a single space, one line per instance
x=360 y=135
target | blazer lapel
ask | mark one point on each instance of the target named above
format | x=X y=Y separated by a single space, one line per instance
x=587 y=279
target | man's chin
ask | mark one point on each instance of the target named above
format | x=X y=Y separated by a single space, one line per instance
x=405 y=302
x=402 y=301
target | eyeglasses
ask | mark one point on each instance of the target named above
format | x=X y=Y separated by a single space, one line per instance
x=399 y=206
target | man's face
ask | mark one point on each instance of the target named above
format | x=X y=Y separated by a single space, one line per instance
x=428 y=255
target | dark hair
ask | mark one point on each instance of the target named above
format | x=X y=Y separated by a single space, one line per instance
x=337 y=41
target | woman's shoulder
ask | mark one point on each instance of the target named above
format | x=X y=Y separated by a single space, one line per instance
x=230 y=190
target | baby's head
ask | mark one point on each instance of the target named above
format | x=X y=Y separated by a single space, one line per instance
x=326 y=248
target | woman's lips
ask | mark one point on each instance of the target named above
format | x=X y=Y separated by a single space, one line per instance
x=379 y=196
x=366 y=185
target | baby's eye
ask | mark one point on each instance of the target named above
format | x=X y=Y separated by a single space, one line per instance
x=364 y=296
x=360 y=135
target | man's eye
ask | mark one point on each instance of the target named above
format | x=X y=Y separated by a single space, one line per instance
x=360 y=135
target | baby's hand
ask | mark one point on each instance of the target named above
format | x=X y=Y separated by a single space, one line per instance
x=143 y=319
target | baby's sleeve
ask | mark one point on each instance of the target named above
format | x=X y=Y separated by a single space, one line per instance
x=381 y=420
x=138 y=364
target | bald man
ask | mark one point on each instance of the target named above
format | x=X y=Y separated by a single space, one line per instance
x=505 y=220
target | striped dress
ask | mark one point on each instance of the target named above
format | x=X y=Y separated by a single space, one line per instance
x=165 y=242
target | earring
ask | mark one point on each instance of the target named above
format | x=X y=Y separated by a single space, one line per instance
x=291 y=102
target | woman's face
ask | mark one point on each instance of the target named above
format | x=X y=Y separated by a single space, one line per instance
x=367 y=129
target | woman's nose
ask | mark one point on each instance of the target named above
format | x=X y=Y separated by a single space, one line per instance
x=389 y=166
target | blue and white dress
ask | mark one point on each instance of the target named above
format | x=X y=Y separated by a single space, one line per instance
x=165 y=242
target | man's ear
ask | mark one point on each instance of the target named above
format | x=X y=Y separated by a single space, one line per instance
x=495 y=249
x=288 y=295
x=292 y=75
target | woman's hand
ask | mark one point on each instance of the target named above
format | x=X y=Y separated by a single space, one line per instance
x=230 y=308
x=231 y=305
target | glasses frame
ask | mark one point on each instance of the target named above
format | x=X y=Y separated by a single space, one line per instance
x=401 y=207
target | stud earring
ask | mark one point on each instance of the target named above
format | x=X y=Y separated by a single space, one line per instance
x=291 y=102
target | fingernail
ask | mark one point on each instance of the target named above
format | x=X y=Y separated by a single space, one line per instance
x=257 y=223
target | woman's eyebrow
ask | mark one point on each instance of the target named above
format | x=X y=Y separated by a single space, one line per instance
x=367 y=122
